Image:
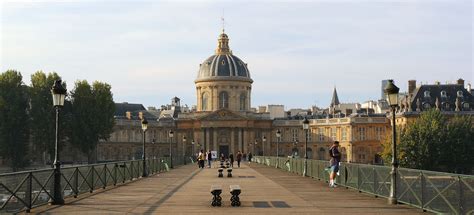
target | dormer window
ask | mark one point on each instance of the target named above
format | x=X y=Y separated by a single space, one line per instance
x=443 y=94
x=459 y=93
x=427 y=94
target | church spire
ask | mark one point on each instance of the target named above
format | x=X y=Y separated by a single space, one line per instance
x=335 y=98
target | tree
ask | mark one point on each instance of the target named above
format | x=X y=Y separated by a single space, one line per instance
x=93 y=115
x=435 y=143
x=42 y=114
x=14 y=119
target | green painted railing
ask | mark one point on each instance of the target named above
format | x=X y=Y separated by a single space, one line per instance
x=431 y=191
x=21 y=191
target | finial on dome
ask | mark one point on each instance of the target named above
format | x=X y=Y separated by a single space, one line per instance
x=223 y=42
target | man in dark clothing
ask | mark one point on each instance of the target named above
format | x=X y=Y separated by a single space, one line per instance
x=231 y=158
x=239 y=158
x=334 y=163
x=209 y=158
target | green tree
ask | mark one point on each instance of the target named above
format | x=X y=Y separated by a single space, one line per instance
x=14 y=119
x=42 y=114
x=92 y=116
x=435 y=143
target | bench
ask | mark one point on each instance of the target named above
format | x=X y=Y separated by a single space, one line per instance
x=229 y=173
x=235 y=192
x=220 y=170
x=216 y=191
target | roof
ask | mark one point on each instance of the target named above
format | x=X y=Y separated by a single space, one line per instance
x=335 y=98
x=446 y=94
x=122 y=108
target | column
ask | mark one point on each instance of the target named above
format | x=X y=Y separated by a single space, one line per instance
x=240 y=139
x=232 y=144
x=214 y=142
x=208 y=139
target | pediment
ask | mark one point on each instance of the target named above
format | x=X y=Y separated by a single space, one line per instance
x=222 y=114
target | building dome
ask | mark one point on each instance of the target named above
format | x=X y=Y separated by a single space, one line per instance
x=223 y=65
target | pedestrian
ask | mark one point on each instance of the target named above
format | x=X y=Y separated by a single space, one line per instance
x=209 y=158
x=201 y=158
x=231 y=158
x=334 y=162
x=222 y=157
x=239 y=158
x=250 y=157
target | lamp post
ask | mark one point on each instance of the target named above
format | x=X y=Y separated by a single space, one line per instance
x=171 y=134
x=305 y=128
x=278 y=136
x=144 y=128
x=194 y=152
x=184 y=146
x=391 y=91
x=264 y=140
x=59 y=94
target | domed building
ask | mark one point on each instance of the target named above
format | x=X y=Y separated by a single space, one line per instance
x=223 y=81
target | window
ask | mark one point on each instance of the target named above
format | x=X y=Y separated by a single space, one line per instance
x=443 y=94
x=333 y=134
x=223 y=100
x=446 y=106
x=294 y=134
x=344 y=134
x=459 y=93
x=379 y=132
x=322 y=154
x=204 y=99
x=465 y=106
x=321 y=134
x=362 y=135
x=427 y=94
x=308 y=135
x=243 y=101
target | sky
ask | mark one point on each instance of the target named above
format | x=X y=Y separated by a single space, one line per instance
x=296 y=51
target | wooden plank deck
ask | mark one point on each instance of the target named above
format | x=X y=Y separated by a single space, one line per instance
x=265 y=190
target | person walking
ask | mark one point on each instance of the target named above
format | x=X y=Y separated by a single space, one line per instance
x=249 y=157
x=239 y=158
x=231 y=158
x=334 y=162
x=209 y=158
x=201 y=158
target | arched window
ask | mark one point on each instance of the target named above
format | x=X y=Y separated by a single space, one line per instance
x=243 y=101
x=309 y=151
x=204 y=100
x=443 y=94
x=322 y=154
x=459 y=93
x=223 y=100
x=427 y=94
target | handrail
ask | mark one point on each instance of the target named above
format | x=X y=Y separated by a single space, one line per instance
x=437 y=192
x=22 y=191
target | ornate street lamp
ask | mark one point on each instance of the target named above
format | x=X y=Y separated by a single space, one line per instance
x=144 y=128
x=194 y=152
x=184 y=145
x=305 y=128
x=264 y=140
x=171 y=134
x=59 y=95
x=391 y=92
x=278 y=136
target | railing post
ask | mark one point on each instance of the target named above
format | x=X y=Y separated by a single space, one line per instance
x=124 y=172
x=76 y=182
x=91 y=188
x=115 y=174
x=423 y=184
x=104 y=182
x=358 y=178
x=461 y=197
x=29 y=191
x=131 y=170
x=375 y=181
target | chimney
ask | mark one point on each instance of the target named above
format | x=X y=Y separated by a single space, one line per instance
x=140 y=115
x=128 y=114
x=460 y=81
x=469 y=88
x=411 y=86
x=437 y=83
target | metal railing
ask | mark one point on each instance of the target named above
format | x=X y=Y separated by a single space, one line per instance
x=25 y=190
x=431 y=191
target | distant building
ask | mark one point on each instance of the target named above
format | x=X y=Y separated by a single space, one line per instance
x=276 y=111
x=382 y=90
